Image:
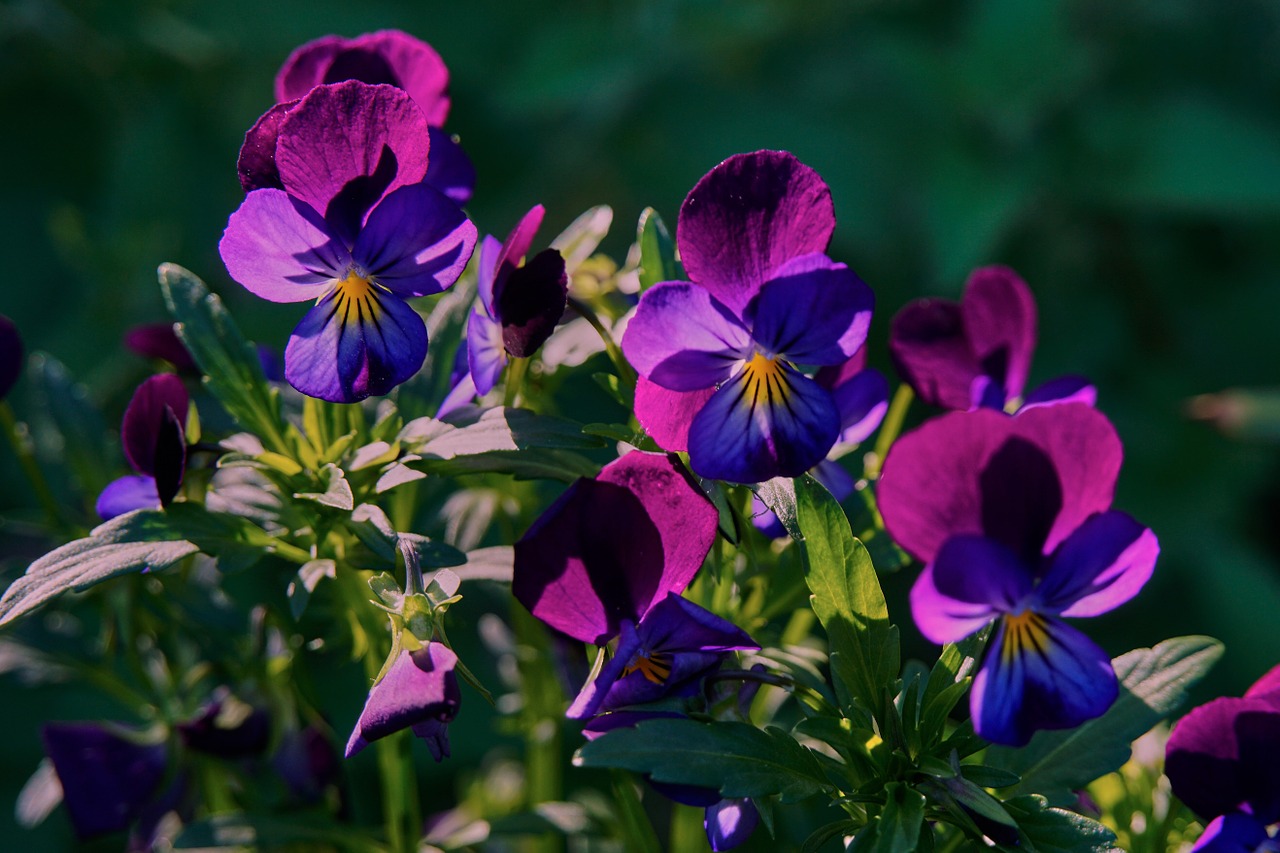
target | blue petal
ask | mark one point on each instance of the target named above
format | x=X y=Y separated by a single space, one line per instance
x=1039 y=673
x=729 y=823
x=126 y=495
x=355 y=343
x=1233 y=833
x=768 y=421
x=813 y=311
x=449 y=169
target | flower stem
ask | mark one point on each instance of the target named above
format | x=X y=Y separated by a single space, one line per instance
x=639 y=835
x=626 y=374
x=516 y=371
x=687 y=831
x=26 y=457
x=890 y=428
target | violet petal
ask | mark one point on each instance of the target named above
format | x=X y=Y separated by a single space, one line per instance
x=419 y=687
x=280 y=249
x=416 y=242
x=449 y=169
x=812 y=311
x=730 y=823
x=683 y=339
x=107 y=779
x=1101 y=565
x=158 y=406
x=136 y=491
x=972 y=580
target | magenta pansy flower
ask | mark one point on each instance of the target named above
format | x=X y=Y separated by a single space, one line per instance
x=1221 y=759
x=419 y=691
x=720 y=354
x=154 y=435
x=354 y=229
x=977 y=352
x=1012 y=518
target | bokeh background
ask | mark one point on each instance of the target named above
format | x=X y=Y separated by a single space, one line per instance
x=1124 y=157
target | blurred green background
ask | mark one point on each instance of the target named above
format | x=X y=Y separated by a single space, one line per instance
x=1124 y=157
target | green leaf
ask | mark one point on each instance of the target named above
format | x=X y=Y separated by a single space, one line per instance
x=240 y=831
x=75 y=427
x=489 y=564
x=309 y=576
x=337 y=491
x=779 y=495
x=847 y=600
x=508 y=441
x=374 y=530
x=736 y=759
x=657 y=251
x=1050 y=830
x=230 y=364
x=576 y=243
x=823 y=834
x=1153 y=685
x=901 y=820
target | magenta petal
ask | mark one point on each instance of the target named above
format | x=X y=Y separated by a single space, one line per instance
x=281 y=250
x=1267 y=687
x=256 y=164
x=667 y=415
x=419 y=687
x=929 y=350
x=972 y=580
x=1204 y=759
x=416 y=242
x=159 y=405
x=683 y=339
x=1099 y=566
x=346 y=146
x=747 y=217
x=1000 y=323
x=159 y=340
x=137 y=491
x=931 y=489
x=305 y=68
x=417 y=67
x=10 y=355
x=813 y=311
x=495 y=266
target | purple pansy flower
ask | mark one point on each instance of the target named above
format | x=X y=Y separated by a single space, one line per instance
x=1012 y=517
x=306 y=761
x=159 y=340
x=391 y=57
x=516 y=310
x=718 y=352
x=356 y=230
x=154 y=435
x=10 y=356
x=977 y=352
x=419 y=690
x=1221 y=759
x=227 y=730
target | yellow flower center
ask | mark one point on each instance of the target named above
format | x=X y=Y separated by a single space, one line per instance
x=356 y=294
x=766 y=380
x=1024 y=632
x=656 y=667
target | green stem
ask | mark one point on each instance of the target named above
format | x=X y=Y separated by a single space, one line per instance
x=639 y=836
x=26 y=457
x=543 y=707
x=890 y=428
x=626 y=374
x=516 y=370
x=687 y=832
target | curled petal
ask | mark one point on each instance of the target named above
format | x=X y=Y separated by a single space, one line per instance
x=746 y=218
x=1000 y=324
x=419 y=687
x=1064 y=389
x=932 y=355
x=768 y=421
x=813 y=311
x=305 y=68
x=356 y=342
x=137 y=491
x=683 y=339
x=280 y=249
x=862 y=402
x=667 y=415
x=1266 y=687
x=256 y=164
x=157 y=410
x=449 y=169
x=416 y=242
x=1100 y=566
x=973 y=580
x=531 y=302
x=1039 y=673
x=435 y=734
x=499 y=259
x=729 y=823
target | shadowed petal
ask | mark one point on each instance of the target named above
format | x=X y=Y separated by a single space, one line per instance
x=1039 y=673
x=126 y=494
x=304 y=69
x=1100 y=566
x=435 y=734
x=355 y=343
x=1232 y=833
x=10 y=355
x=931 y=354
x=862 y=402
x=746 y=218
x=730 y=823
x=419 y=687
x=1221 y=756
x=256 y=164
x=416 y=242
x=531 y=302
x=158 y=407
x=683 y=339
x=1064 y=389
x=498 y=260
x=418 y=69
x=449 y=169
x=280 y=249
x=159 y=340
x=667 y=415
x=1021 y=497
x=216 y=733
x=486 y=356
x=999 y=316
x=813 y=311
x=107 y=779
x=768 y=421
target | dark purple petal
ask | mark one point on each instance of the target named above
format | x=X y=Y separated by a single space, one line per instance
x=929 y=349
x=497 y=261
x=436 y=736
x=419 y=687
x=306 y=66
x=832 y=376
x=449 y=169
x=531 y=302
x=833 y=475
x=1021 y=497
x=170 y=461
x=1258 y=733
x=10 y=355
x=486 y=356
x=1039 y=673
x=686 y=795
x=344 y=147
x=1099 y=566
x=216 y=732
x=1064 y=389
x=1232 y=833
x=137 y=491
x=972 y=580
x=417 y=68
x=158 y=408
x=812 y=311
x=931 y=485
x=624 y=720
x=107 y=779
x=746 y=218
x=357 y=342
x=256 y=164
x=729 y=823
x=1204 y=758
x=676 y=624
x=416 y=242
x=683 y=339
x=768 y=421
x=159 y=340
x=280 y=249
x=590 y=700
x=667 y=415
x=999 y=315
x=862 y=402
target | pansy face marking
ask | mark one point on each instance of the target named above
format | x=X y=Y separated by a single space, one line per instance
x=654 y=666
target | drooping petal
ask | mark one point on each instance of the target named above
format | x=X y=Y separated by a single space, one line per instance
x=999 y=316
x=256 y=164
x=932 y=355
x=1221 y=757
x=1100 y=566
x=418 y=69
x=746 y=218
x=107 y=779
x=496 y=263
x=486 y=356
x=862 y=402
x=972 y=580
x=159 y=340
x=416 y=242
x=137 y=491
x=812 y=311
x=419 y=687
x=345 y=146
x=1232 y=833
x=730 y=823
x=531 y=302
x=449 y=169
x=435 y=734
x=676 y=624
x=683 y=339
x=1039 y=673
x=356 y=342
x=158 y=408
x=767 y=421
x=667 y=415
x=280 y=249
x=10 y=355
x=931 y=484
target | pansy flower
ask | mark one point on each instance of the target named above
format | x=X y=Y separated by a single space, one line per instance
x=154 y=435
x=354 y=229
x=390 y=57
x=721 y=351
x=419 y=691
x=1221 y=760
x=160 y=341
x=1012 y=518
x=517 y=307
x=977 y=352
x=10 y=356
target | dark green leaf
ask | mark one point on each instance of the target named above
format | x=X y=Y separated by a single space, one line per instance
x=75 y=429
x=823 y=834
x=508 y=441
x=657 y=251
x=779 y=495
x=337 y=491
x=734 y=758
x=901 y=820
x=1050 y=830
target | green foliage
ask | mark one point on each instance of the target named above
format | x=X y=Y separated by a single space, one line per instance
x=657 y=251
